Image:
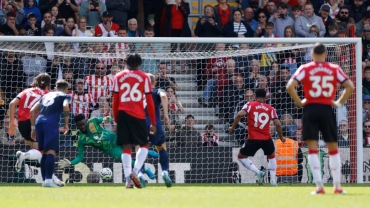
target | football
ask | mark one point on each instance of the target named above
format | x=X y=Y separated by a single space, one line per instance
x=106 y=173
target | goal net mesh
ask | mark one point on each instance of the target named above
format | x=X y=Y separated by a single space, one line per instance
x=206 y=84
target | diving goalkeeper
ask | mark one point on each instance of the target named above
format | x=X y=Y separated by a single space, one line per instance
x=92 y=134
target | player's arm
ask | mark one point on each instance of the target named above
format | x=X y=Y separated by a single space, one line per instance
x=348 y=89
x=65 y=163
x=291 y=88
x=164 y=101
x=12 y=125
x=237 y=118
x=151 y=110
x=66 y=115
x=279 y=129
x=34 y=111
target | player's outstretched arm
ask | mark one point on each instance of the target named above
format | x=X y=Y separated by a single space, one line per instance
x=348 y=89
x=151 y=112
x=34 y=110
x=279 y=129
x=291 y=88
x=237 y=119
x=164 y=101
x=12 y=125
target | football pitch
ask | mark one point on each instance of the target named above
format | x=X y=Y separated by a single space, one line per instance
x=197 y=195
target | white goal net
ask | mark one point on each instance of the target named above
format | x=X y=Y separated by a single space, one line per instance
x=207 y=82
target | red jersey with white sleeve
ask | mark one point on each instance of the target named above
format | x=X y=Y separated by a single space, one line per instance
x=27 y=99
x=97 y=86
x=132 y=87
x=319 y=80
x=81 y=104
x=259 y=116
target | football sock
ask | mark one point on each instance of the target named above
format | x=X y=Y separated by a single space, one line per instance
x=249 y=164
x=272 y=168
x=163 y=159
x=126 y=163
x=43 y=168
x=33 y=154
x=141 y=156
x=335 y=167
x=49 y=166
x=313 y=161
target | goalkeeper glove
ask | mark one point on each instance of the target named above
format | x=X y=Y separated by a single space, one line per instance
x=64 y=163
x=107 y=119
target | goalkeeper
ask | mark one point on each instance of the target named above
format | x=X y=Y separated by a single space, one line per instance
x=92 y=134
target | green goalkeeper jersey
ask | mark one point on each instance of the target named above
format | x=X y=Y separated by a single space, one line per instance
x=95 y=136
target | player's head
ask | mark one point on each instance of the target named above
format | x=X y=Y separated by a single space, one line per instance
x=80 y=122
x=152 y=79
x=318 y=52
x=42 y=81
x=62 y=85
x=260 y=95
x=134 y=61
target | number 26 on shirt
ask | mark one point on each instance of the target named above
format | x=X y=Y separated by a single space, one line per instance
x=130 y=94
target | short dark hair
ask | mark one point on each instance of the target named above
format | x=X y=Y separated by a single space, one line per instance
x=62 y=84
x=79 y=117
x=367 y=68
x=48 y=27
x=122 y=28
x=319 y=49
x=260 y=93
x=189 y=116
x=11 y=14
x=282 y=5
x=209 y=127
x=296 y=7
x=149 y=28
x=32 y=15
x=366 y=15
x=134 y=61
x=270 y=24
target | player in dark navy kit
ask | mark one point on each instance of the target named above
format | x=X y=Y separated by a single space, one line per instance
x=47 y=127
x=320 y=79
x=159 y=139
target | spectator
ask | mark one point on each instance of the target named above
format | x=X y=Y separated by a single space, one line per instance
x=33 y=28
x=366 y=47
x=162 y=79
x=313 y=33
x=343 y=19
x=332 y=31
x=122 y=48
x=290 y=58
x=262 y=20
x=297 y=12
x=14 y=8
x=107 y=28
x=79 y=31
x=69 y=27
x=270 y=27
x=357 y=10
x=281 y=19
x=366 y=79
x=224 y=12
x=242 y=62
x=10 y=27
x=209 y=138
x=273 y=72
x=30 y=7
x=93 y=11
x=174 y=19
x=233 y=93
x=149 y=65
x=334 y=7
x=113 y=71
x=241 y=131
x=207 y=26
x=342 y=112
x=44 y=6
x=250 y=81
x=223 y=79
x=288 y=125
x=263 y=84
x=366 y=127
x=48 y=21
x=92 y=85
x=289 y=8
x=365 y=21
x=326 y=19
x=33 y=65
x=306 y=21
x=12 y=75
x=343 y=137
x=188 y=136
x=54 y=18
x=248 y=18
x=237 y=28
x=66 y=8
x=268 y=7
x=133 y=30
x=174 y=110
x=119 y=10
x=81 y=102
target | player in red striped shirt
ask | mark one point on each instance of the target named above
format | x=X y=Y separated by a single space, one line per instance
x=25 y=101
x=259 y=114
x=97 y=84
x=81 y=102
x=320 y=79
x=131 y=87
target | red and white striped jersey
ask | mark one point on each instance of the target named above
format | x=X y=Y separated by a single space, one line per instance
x=97 y=86
x=81 y=104
x=107 y=59
x=121 y=48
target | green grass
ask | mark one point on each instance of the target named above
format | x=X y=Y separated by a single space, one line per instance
x=198 y=195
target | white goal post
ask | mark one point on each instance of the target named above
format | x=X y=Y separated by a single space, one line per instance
x=356 y=47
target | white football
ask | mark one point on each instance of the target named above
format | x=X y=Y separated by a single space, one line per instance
x=106 y=173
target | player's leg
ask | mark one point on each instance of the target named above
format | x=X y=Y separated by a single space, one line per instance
x=310 y=134
x=269 y=149
x=124 y=139
x=40 y=138
x=249 y=149
x=328 y=129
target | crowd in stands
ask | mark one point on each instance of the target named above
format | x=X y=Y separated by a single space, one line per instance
x=227 y=82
